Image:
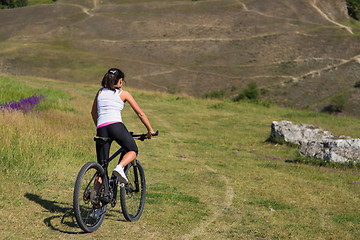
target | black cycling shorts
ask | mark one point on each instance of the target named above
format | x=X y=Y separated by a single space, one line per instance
x=119 y=133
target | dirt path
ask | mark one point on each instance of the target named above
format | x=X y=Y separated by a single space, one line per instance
x=271 y=16
x=84 y=9
x=313 y=4
x=312 y=73
x=327 y=68
x=218 y=208
x=201 y=230
x=146 y=78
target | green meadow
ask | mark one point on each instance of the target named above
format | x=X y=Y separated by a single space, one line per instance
x=211 y=173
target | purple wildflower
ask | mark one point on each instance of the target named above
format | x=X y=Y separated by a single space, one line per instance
x=24 y=104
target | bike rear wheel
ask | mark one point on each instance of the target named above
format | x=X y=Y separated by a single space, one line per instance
x=132 y=195
x=88 y=202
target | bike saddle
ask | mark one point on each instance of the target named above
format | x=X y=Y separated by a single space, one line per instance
x=102 y=139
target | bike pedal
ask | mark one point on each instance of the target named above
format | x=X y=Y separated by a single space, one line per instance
x=121 y=184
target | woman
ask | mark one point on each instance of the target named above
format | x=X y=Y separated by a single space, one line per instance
x=106 y=113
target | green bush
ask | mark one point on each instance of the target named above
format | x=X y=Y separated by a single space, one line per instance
x=22 y=3
x=215 y=94
x=353 y=7
x=357 y=84
x=252 y=92
x=13 y=3
x=336 y=105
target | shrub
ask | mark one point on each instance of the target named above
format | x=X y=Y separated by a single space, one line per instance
x=14 y=3
x=215 y=94
x=337 y=104
x=353 y=7
x=21 y=3
x=250 y=93
x=357 y=84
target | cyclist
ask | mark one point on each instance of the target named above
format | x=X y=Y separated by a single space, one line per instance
x=106 y=114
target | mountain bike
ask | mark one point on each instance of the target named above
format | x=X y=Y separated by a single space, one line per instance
x=94 y=190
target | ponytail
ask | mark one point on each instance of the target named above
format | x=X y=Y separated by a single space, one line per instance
x=111 y=78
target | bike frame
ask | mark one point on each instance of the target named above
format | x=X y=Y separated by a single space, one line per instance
x=104 y=140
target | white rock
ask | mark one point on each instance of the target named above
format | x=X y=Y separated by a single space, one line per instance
x=315 y=142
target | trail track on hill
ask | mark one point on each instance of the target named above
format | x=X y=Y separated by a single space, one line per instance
x=268 y=15
x=217 y=208
x=312 y=3
x=328 y=19
x=87 y=11
x=328 y=68
x=314 y=72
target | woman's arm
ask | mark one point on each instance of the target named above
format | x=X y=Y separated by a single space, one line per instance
x=126 y=96
x=94 y=112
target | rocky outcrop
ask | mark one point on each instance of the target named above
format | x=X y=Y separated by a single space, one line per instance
x=315 y=142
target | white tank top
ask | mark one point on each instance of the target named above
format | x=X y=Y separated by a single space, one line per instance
x=109 y=106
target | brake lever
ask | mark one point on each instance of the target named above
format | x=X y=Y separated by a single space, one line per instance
x=144 y=136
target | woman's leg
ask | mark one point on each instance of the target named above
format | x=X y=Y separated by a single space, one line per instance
x=122 y=136
x=102 y=153
x=119 y=170
x=128 y=158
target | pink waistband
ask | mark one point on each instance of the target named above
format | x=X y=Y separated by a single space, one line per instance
x=105 y=124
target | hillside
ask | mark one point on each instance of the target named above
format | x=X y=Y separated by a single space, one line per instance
x=302 y=53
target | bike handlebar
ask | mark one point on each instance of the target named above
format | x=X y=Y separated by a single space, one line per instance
x=142 y=137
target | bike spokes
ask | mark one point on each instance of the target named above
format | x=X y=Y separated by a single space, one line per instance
x=89 y=192
x=133 y=193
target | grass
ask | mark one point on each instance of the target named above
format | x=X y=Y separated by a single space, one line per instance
x=12 y=91
x=37 y=2
x=210 y=173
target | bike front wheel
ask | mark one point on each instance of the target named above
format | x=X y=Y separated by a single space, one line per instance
x=132 y=194
x=90 y=189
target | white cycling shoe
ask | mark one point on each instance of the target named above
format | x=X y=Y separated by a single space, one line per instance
x=119 y=172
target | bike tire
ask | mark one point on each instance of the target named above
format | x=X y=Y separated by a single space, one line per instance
x=132 y=194
x=83 y=208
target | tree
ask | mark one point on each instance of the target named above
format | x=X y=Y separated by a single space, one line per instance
x=21 y=3
x=13 y=3
x=353 y=7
